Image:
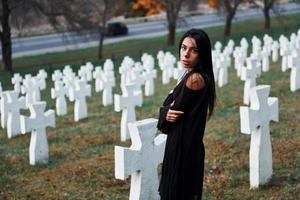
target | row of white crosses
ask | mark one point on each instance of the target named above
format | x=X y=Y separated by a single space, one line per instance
x=67 y=84
x=290 y=52
x=166 y=62
x=11 y=104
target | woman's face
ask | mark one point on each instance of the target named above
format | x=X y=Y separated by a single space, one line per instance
x=189 y=53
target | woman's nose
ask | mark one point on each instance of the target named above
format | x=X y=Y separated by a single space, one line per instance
x=186 y=54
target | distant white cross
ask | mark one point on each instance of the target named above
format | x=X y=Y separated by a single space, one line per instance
x=14 y=104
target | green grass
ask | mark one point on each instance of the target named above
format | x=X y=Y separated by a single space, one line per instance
x=81 y=157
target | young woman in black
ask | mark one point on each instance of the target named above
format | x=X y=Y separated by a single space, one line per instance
x=183 y=118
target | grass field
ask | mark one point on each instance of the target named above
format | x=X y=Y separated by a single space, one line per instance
x=81 y=157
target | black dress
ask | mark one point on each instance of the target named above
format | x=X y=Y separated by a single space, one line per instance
x=183 y=163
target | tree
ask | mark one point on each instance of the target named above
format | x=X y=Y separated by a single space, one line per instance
x=266 y=6
x=152 y=7
x=229 y=7
x=172 y=11
x=5 y=35
x=7 y=8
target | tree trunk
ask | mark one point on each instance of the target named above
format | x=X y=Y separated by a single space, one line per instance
x=171 y=35
x=100 y=47
x=227 y=28
x=267 y=18
x=6 y=37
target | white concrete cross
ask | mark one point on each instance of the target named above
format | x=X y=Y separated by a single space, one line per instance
x=230 y=46
x=218 y=47
x=284 y=52
x=179 y=72
x=240 y=58
x=31 y=87
x=223 y=70
x=125 y=70
x=255 y=121
x=141 y=160
x=36 y=124
x=149 y=75
x=107 y=98
x=275 y=48
x=108 y=69
x=82 y=90
x=265 y=59
x=69 y=80
x=126 y=103
x=57 y=76
x=170 y=61
x=89 y=68
x=249 y=75
x=17 y=80
x=68 y=70
x=295 y=72
x=59 y=92
x=41 y=78
x=244 y=45
x=14 y=104
x=83 y=73
x=104 y=82
x=137 y=77
x=163 y=65
x=97 y=75
x=3 y=108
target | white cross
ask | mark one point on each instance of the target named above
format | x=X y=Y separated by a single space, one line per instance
x=284 y=52
x=57 y=76
x=255 y=121
x=149 y=74
x=16 y=80
x=59 y=92
x=41 y=78
x=97 y=75
x=3 y=107
x=223 y=70
x=295 y=72
x=82 y=90
x=275 y=47
x=141 y=159
x=14 y=104
x=107 y=91
x=249 y=75
x=265 y=59
x=36 y=124
x=31 y=88
x=127 y=103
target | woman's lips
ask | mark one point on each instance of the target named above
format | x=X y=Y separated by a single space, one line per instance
x=184 y=62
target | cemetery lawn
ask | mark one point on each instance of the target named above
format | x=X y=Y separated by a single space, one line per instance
x=81 y=157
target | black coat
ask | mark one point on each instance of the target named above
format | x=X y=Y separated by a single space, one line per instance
x=183 y=164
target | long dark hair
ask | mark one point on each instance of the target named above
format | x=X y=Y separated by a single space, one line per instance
x=204 y=65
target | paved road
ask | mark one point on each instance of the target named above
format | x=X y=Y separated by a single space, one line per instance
x=59 y=42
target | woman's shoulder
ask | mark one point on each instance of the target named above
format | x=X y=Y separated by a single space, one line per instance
x=195 y=81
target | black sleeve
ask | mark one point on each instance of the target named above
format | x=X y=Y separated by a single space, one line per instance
x=186 y=99
x=163 y=125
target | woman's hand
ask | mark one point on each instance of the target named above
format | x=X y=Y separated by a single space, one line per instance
x=173 y=115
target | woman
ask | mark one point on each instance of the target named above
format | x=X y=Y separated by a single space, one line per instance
x=183 y=117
